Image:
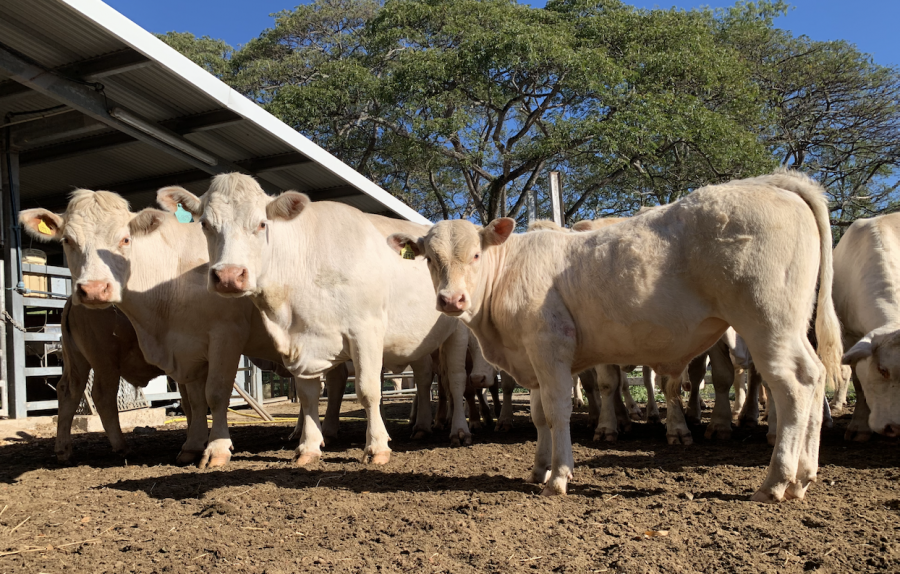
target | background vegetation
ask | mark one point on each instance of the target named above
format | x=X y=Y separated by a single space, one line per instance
x=458 y=107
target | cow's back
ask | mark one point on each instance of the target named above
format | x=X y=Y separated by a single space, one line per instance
x=867 y=275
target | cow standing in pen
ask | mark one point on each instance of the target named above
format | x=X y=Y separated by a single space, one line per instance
x=657 y=289
x=328 y=289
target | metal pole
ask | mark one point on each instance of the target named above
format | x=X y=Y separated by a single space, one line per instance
x=14 y=303
x=556 y=199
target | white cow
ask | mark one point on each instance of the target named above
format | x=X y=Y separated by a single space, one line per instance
x=867 y=298
x=655 y=289
x=154 y=269
x=105 y=341
x=328 y=290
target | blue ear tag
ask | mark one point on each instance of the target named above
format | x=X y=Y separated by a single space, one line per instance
x=407 y=252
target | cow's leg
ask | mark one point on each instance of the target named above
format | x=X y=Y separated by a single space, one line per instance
x=796 y=379
x=634 y=409
x=486 y=414
x=104 y=392
x=423 y=374
x=505 y=422
x=577 y=393
x=219 y=385
x=771 y=416
x=453 y=350
x=652 y=413
x=442 y=415
x=858 y=430
x=723 y=378
x=696 y=371
x=472 y=407
x=677 y=431
x=198 y=431
x=827 y=420
x=740 y=392
x=589 y=381
x=554 y=383
x=69 y=391
x=495 y=397
x=336 y=385
x=840 y=392
x=749 y=417
x=367 y=352
x=543 y=454
x=311 y=440
x=605 y=380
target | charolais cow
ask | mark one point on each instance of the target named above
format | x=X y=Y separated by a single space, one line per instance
x=546 y=305
x=328 y=290
x=154 y=269
x=105 y=341
x=867 y=298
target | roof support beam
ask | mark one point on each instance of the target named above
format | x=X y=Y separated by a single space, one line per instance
x=274 y=162
x=181 y=126
x=93 y=104
x=89 y=70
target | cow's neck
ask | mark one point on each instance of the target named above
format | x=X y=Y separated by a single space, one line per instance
x=486 y=291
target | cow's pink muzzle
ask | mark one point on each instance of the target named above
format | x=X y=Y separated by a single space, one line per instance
x=94 y=292
x=230 y=279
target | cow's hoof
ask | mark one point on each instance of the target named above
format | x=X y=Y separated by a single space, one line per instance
x=720 y=432
x=637 y=415
x=188 y=456
x=306 y=457
x=680 y=438
x=216 y=460
x=653 y=419
x=765 y=496
x=857 y=435
x=419 y=433
x=438 y=425
x=539 y=476
x=64 y=455
x=605 y=436
x=504 y=426
x=475 y=425
x=691 y=418
x=461 y=438
x=828 y=423
x=796 y=491
x=747 y=423
x=548 y=491
x=577 y=405
x=771 y=439
x=379 y=458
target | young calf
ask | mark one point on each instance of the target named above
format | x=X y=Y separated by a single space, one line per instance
x=656 y=289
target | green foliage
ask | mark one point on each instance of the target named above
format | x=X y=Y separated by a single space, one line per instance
x=458 y=107
x=210 y=54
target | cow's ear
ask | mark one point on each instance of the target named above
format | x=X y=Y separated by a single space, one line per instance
x=146 y=221
x=41 y=224
x=498 y=231
x=169 y=197
x=287 y=206
x=584 y=225
x=857 y=352
x=407 y=246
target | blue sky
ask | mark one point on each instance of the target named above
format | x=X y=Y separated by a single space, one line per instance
x=870 y=24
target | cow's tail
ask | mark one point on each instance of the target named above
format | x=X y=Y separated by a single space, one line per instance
x=828 y=327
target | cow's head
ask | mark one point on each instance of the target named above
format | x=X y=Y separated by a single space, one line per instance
x=96 y=231
x=876 y=359
x=454 y=251
x=236 y=216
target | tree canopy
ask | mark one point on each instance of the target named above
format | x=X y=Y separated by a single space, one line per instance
x=459 y=107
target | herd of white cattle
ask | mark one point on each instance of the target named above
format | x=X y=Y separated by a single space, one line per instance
x=309 y=286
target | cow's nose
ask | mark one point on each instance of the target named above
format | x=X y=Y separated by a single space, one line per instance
x=892 y=430
x=451 y=303
x=94 y=291
x=230 y=279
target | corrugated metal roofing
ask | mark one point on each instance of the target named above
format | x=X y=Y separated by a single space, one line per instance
x=144 y=76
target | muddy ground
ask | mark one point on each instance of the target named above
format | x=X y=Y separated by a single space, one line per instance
x=436 y=509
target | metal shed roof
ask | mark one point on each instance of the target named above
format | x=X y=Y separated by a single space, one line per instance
x=127 y=113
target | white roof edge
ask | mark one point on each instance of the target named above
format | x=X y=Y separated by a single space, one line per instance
x=146 y=43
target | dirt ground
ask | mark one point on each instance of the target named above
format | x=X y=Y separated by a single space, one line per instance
x=436 y=509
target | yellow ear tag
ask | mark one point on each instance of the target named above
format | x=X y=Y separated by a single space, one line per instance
x=42 y=227
x=407 y=252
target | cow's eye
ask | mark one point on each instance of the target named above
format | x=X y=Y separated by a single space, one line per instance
x=125 y=241
x=203 y=225
x=262 y=226
x=427 y=259
x=65 y=240
x=884 y=372
x=477 y=256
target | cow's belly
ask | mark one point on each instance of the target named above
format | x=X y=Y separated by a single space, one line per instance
x=416 y=337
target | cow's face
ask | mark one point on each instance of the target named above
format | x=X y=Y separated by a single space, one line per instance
x=236 y=216
x=96 y=231
x=454 y=252
x=877 y=359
